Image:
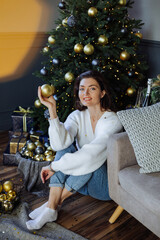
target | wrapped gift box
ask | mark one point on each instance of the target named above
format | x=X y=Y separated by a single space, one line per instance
x=17 y=140
x=21 y=120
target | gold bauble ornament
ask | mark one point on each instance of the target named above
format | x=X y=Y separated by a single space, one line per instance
x=48 y=152
x=38 y=143
x=51 y=39
x=122 y=2
x=102 y=40
x=28 y=153
x=64 y=22
x=37 y=157
x=92 y=12
x=31 y=146
x=1 y=187
x=3 y=197
x=45 y=49
x=50 y=158
x=130 y=91
x=11 y=194
x=53 y=89
x=42 y=157
x=69 y=77
x=7 y=185
x=124 y=56
x=138 y=34
x=46 y=90
x=88 y=49
x=49 y=148
x=37 y=103
x=78 y=48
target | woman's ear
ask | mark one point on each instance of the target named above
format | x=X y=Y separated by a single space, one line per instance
x=103 y=93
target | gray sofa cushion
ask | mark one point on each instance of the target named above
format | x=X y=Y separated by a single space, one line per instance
x=143 y=128
x=145 y=188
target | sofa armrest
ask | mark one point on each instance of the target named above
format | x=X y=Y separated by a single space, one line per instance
x=120 y=154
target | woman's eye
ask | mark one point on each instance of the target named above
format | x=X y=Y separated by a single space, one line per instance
x=93 y=89
x=81 y=89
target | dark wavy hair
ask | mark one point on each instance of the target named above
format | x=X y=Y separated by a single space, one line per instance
x=105 y=102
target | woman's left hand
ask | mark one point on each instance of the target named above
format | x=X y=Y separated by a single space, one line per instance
x=46 y=173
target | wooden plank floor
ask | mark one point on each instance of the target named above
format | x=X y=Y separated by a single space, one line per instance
x=82 y=214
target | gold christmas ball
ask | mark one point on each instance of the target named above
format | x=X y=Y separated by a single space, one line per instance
x=51 y=39
x=42 y=157
x=38 y=143
x=53 y=89
x=92 y=12
x=124 y=56
x=37 y=103
x=1 y=187
x=28 y=153
x=7 y=185
x=122 y=2
x=130 y=91
x=50 y=158
x=11 y=194
x=102 y=40
x=31 y=146
x=138 y=34
x=88 y=49
x=37 y=157
x=49 y=148
x=64 y=22
x=78 y=48
x=69 y=77
x=48 y=152
x=3 y=197
x=45 y=49
x=5 y=206
x=46 y=90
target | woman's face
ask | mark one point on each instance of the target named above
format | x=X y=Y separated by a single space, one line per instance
x=90 y=92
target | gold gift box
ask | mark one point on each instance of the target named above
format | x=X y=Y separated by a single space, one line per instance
x=17 y=142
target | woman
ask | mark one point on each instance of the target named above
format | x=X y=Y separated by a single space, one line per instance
x=83 y=170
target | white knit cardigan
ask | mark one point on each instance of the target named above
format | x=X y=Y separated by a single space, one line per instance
x=92 y=146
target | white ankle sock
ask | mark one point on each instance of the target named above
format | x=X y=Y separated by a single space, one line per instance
x=36 y=212
x=47 y=215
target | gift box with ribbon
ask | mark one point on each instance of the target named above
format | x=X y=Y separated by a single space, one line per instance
x=21 y=119
x=17 y=140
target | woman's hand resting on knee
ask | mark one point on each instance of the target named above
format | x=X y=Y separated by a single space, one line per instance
x=46 y=173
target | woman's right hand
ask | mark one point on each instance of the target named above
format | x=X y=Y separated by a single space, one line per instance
x=46 y=173
x=49 y=102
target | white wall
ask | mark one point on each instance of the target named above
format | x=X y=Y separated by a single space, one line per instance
x=149 y=12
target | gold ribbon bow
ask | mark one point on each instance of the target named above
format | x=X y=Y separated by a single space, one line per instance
x=24 y=112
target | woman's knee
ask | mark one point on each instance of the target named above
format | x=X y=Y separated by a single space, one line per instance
x=59 y=154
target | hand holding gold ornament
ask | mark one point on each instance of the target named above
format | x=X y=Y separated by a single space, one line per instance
x=49 y=102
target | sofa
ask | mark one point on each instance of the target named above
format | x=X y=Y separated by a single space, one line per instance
x=137 y=193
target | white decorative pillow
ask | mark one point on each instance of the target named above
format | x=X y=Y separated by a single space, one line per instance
x=143 y=128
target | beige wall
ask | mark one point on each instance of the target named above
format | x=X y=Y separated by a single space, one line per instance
x=149 y=12
x=22 y=28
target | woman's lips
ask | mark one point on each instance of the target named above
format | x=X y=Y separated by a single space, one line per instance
x=87 y=99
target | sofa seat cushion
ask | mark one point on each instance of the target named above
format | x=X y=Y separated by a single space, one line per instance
x=144 y=187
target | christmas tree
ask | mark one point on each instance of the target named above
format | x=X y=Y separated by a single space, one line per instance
x=92 y=35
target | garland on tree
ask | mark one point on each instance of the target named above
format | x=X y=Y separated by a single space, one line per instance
x=92 y=34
